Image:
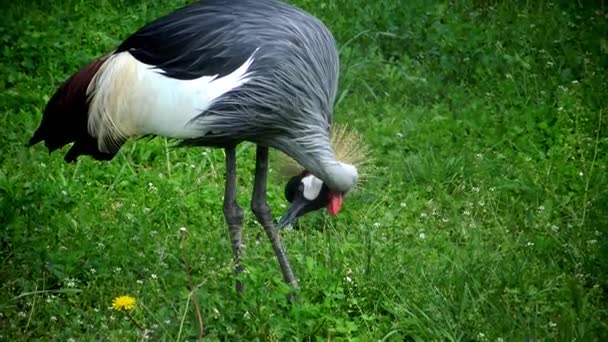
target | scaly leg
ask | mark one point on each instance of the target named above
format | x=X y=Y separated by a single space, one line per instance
x=259 y=206
x=233 y=214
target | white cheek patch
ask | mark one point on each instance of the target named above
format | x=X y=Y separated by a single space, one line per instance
x=312 y=187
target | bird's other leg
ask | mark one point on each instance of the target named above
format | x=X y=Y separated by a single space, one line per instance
x=260 y=208
x=233 y=214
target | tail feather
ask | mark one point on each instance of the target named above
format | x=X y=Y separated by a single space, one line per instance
x=65 y=118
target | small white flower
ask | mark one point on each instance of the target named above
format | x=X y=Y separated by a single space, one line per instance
x=475 y=189
x=167 y=321
x=153 y=276
x=580 y=174
x=423 y=215
x=71 y=339
x=541 y=208
x=139 y=282
x=445 y=220
x=53 y=318
x=500 y=339
x=403 y=204
x=592 y=242
x=399 y=135
x=509 y=76
x=529 y=244
x=466 y=213
x=183 y=231
x=93 y=271
x=554 y=228
x=64 y=193
x=552 y=324
x=422 y=236
x=22 y=314
x=479 y=156
x=481 y=203
x=376 y=224
x=147 y=210
x=348 y=279
x=70 y=282
x=117 y=270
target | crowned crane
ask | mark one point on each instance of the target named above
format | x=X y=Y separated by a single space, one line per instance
x=217 y=73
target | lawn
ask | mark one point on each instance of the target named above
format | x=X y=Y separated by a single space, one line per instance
x=484 y=216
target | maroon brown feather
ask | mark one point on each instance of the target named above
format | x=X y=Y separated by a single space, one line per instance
x=65 y=118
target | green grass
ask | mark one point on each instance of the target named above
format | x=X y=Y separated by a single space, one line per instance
x=485 y=217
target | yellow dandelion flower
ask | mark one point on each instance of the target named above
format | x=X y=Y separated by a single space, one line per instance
x=125 y=303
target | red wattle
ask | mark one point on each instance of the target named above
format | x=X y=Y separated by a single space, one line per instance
x=335 y=203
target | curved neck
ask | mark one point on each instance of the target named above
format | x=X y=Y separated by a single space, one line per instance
x=319 y=159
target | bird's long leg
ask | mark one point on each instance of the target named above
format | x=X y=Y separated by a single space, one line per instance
x=260 y=208
x=233 y=213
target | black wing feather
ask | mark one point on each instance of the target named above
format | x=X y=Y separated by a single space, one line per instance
x=194 y=41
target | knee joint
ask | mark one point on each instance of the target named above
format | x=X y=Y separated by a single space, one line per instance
x=260 y=209
x=233 y=213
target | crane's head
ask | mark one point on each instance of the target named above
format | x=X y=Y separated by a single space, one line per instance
x=307 y=193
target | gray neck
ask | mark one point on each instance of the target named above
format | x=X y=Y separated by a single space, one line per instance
x=317 y=158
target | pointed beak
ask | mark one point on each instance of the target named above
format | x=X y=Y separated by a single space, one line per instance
x=294 y=211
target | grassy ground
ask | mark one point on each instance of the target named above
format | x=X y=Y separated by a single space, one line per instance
x=485 y=219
